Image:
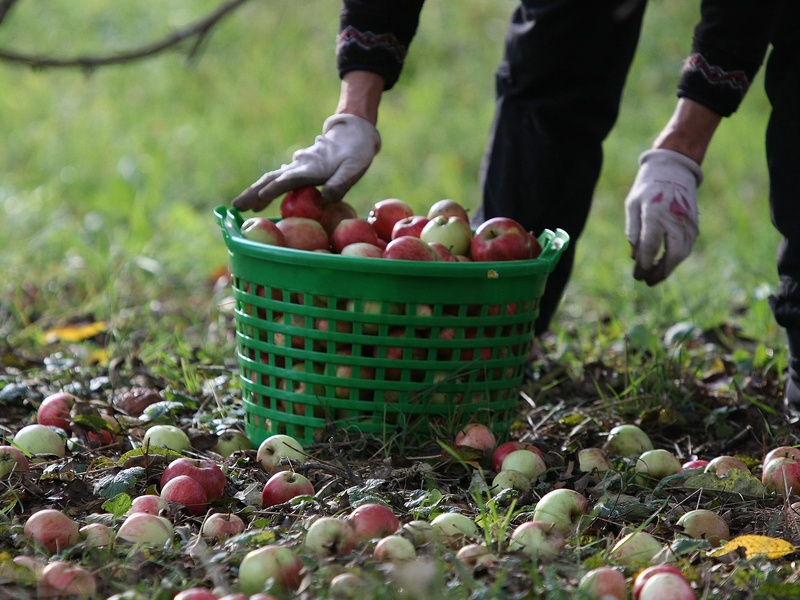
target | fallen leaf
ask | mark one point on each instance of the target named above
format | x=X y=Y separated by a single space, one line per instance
x=756 y=545
x=75 y=333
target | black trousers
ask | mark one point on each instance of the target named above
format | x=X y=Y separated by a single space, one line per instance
x=558 y=94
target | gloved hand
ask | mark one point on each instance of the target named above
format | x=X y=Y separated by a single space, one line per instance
x=338 y=158
x=661 y=209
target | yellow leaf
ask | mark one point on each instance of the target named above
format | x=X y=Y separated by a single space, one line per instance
x=756 y=545
x=75 y=333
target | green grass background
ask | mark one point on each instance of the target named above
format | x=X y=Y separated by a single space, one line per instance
x=108 y=179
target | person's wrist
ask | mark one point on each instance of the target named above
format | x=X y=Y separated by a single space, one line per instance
x=360 y=95
x=689 y=130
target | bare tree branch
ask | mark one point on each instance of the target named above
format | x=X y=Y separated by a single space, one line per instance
x=199 y=30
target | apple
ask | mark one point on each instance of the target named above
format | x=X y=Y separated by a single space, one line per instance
x=264 y=231
x=412 y=226
x=346 y=373
x=694 y=464
x=394 y=547
x=420 y=531
x=477 y=436
x=475 y=555
x=385 y=213
x=52 y=530
x=407 y=247
x=349 y=586
x=333 y=213
x=303 y=202
x=500 y=238
x=657 y=464
x=504 y=449
x=330 y=536
x=781 y=451
x=277 y=447
x=272 y=562
x=628 y=441
x=541 y=540
x=666 y=585
x=96 y=535
x=196 y=593
x=703 y=524
x=781 y=475
x=148 y=503
x=606 y=583
x=230 y=441
x=721 y=465
x=222 y=525
x=350 y=231
x=453 y=526
x=301 y=233
x=405 y=348
x=593 y=460
x=235 y=596
x=448 y=208
x=536 y=247
x=509 y=479
x=637 y=547
x=167 y=436
x=646 y=573
x=563 y=507
x=453 y=233
x=373 y=520
x=184 y=490
x=202 y=470
x=146 y=529
x=525 y=461
x=61 y=578
x=285 y=485
x=12 y=459
x=442 y=253
x=362 y=250
x=38 y=439
x=55 y=410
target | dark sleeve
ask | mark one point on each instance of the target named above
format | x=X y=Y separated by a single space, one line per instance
x=374 y=35
x=728 y=48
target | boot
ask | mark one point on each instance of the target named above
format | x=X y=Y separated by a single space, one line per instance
x=793 y=377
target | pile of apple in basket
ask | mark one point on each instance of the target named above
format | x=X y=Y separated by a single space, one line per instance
x=391 y=230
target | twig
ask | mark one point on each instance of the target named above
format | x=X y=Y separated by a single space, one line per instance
x=200 y=30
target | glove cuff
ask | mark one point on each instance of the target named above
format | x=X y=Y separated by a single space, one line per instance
x=362 y=127
x=663 y=157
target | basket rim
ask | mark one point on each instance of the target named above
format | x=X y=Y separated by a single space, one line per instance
x=553 y=244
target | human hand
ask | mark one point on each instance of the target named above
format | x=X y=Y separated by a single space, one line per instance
x=337 y=160
x=661 y=209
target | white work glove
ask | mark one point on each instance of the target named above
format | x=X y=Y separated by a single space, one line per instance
x=661 y=210
x=338 y=158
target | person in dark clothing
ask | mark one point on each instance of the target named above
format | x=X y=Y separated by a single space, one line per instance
x=558 y=89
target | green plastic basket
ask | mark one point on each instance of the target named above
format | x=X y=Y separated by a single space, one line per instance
x=381 y=347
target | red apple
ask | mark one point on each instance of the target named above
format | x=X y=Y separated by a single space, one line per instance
x=303 y=202
x=781 y=475
x=61 y=578
x=52 y=530
x=362 y=250
x=350 y=231
x=385 y=213
x=184 y=490
x=264 y=231
x=333 y=213
x=506 y=448
x=790 y=451
x=222 y=525
x=285 y=485
x=604 y=582
x=330 y=536
x=346 y=372
x=721 y=465
x=443 y=254
x=477 y=436
x=275 y=562
x=500 y=238
x=666 y=585
x=412 y=226
x=373 y=520
x=648 y=572
x=54 y=411
x=146 y=529
x=202 y=470
x=453 y=233
x=694 y=464
x=148 y=503
x=196 y=593
x=536 y=247
x=409 y=248
x=304 y=234
x=448 y=208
